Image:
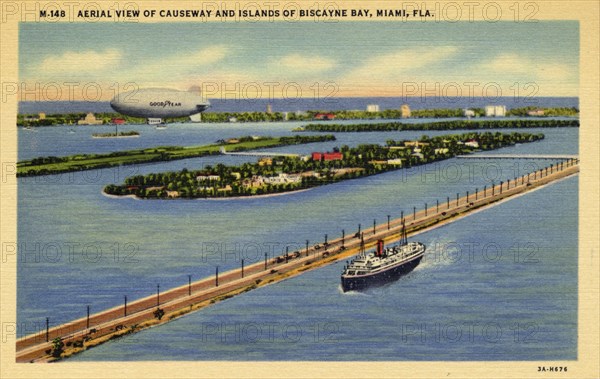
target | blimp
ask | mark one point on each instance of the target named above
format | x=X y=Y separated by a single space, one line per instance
x=157 y=104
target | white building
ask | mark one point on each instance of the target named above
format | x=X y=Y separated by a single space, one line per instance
x=283 y=178
x=405 y=111
x=202 y=178
x=373 y=108
x=468 y=113
x=495 y=111
x=89 y=119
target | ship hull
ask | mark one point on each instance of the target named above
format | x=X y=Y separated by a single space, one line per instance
x=359 y=283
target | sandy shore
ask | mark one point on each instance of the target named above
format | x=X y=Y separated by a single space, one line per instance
x=120 y=196
x=255 y=196
x=213 y=198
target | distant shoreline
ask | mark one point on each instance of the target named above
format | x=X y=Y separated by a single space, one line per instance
x=308 y=103
x=325 y=113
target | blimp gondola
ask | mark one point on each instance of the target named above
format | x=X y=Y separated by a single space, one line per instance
x=157 y=104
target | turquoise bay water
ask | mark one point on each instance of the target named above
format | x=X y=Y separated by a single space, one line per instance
x=78 y=247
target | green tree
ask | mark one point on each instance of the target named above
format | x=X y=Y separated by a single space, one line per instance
x=159 y=313
x=57 y=347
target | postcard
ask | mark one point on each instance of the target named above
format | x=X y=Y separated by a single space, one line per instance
x=299 y=189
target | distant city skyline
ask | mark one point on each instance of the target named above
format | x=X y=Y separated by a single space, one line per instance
x=306 y=59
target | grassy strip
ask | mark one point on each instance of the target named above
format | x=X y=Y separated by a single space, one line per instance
x=57 y=165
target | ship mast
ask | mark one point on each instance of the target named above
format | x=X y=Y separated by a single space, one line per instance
x=403 y=236
x=362 y=245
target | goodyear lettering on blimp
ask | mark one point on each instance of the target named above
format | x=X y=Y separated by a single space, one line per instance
x=163 y=104
x=159 y=103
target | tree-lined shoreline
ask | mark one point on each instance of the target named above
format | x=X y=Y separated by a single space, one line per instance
x=287 y=174
x=438 y=125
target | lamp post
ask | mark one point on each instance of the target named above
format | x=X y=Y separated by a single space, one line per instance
x=157 y=294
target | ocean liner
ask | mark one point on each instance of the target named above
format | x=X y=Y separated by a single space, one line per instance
x=383 y=265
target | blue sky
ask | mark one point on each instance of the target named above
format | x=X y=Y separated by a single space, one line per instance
x=361 y=58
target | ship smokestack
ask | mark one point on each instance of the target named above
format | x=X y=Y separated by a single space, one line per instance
x=379 y=248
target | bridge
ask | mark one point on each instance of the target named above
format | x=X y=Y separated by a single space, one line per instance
x=518 y=156
x=258 y=153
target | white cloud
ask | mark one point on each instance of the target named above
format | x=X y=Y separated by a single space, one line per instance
x=383 y=75
x=75 y=62
x=508 y=63
x=180 y=65
x=555 y=71
x=297 y=63
x=208 y=55
x=513 y=64
x=390 y=66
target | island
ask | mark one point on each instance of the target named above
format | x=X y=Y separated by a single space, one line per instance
x=56 y=165
x=131 y=133
x=439 y=125
x=280 y=174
